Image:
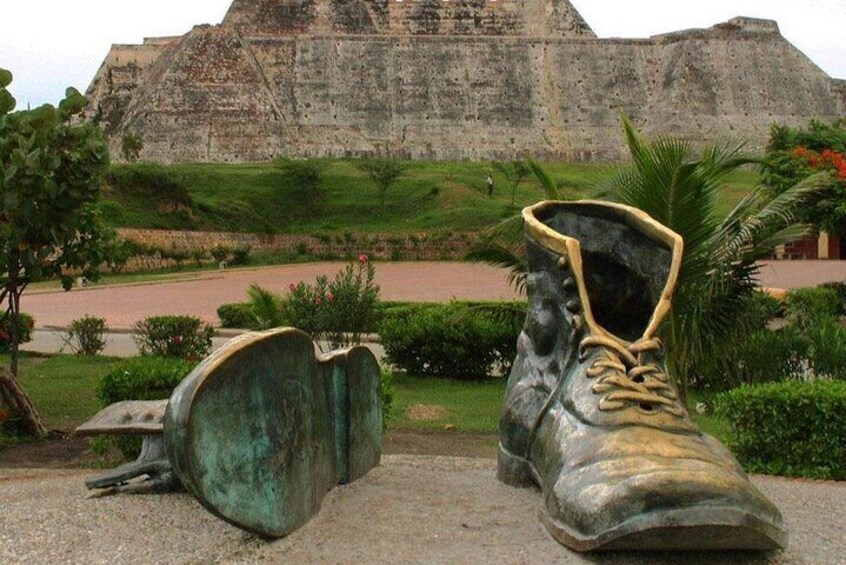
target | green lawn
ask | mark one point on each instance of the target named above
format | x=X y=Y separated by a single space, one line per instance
x=475 y=406
x=430 y=197
x=62 y=387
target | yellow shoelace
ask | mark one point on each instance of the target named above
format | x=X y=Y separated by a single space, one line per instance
x=624 y=380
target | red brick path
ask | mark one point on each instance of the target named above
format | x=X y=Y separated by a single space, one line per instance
x=425 y=281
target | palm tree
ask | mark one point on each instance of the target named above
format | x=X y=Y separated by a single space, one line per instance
x=668 y=181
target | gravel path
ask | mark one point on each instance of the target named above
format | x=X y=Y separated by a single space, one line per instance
x=411 y=509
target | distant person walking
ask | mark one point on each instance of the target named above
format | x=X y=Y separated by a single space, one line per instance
x=489 y=182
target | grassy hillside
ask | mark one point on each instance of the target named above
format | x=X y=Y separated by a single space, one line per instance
x=430 y=196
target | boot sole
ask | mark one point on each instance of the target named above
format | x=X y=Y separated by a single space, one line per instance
x=261 y=430
x=680 y=529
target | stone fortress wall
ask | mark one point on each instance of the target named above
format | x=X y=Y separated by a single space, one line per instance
x=428 y=79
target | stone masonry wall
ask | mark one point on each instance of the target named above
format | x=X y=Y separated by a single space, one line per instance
x=378 y=246
x=254 y=89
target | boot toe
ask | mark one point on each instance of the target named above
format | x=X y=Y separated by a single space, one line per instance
x=649 y=502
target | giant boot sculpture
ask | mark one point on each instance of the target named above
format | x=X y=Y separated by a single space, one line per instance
x=589 y=413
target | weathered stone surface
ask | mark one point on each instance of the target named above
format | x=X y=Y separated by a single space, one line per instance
x=446 y=80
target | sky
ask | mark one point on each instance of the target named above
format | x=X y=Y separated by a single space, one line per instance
x=52 y=44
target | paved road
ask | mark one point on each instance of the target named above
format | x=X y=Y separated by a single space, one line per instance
x=122 y=305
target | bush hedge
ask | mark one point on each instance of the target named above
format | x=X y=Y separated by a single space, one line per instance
x=793 y=428
x=238 y=315
x=456 y=340
x=807 y=307
x=186 y=337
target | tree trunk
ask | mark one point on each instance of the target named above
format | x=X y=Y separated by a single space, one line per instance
x=20 y=403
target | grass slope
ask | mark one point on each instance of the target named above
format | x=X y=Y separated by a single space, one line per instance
x=429 y=197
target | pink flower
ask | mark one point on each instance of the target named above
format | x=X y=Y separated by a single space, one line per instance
x=330 y=296
x=363 y=259
x=318 y=301
x=292 y=287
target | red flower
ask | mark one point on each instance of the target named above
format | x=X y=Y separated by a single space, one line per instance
x=330 y=296
x=292 y=287
x=3 y=415
x=363 y=259
x=318 y=301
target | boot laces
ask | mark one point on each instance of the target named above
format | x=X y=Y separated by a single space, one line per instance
x=625 y=380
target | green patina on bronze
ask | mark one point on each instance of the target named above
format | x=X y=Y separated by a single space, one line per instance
x=260 y=431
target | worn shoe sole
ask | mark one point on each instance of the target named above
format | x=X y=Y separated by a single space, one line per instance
x=261 y=430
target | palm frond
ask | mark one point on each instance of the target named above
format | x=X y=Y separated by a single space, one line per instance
x=266 y=307
x=550 y=190
x=498 y=255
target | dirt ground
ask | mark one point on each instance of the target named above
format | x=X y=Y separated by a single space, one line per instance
x=64 y=452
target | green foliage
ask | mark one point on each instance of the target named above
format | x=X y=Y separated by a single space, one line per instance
x=827 y=349
x=238 y=315
x=452 y=340
x=680 y=188
x=26 y=324
x=85 y=335
x=793 y=428
x=514 y=172
x=339 y=311
x=241 y=255
x=185 y=337
x=130 y=147
x=808 y=307
x=384 y=173
x=794 y=154
x=220 y=253
x=306 y=175
x=840 y=289
x=142 y=378
x=762 y=356
x=264 y=310
x=156 y=184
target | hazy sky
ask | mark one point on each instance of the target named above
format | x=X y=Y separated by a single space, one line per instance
x=52 y=44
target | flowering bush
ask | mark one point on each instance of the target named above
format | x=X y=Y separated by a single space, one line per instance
x=25 y=327
x=337 y=311
x=795 y=154
x=185 y=337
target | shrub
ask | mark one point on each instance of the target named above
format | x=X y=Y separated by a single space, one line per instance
x=306 y=175
x=85 y=335
x=840 y=289
x=827 y=349
x=455 y=340
x=26 y=323
x=241 y=255
x=186 y=337
x=153 y=181
x=793 y=428
x=239 y=315
x=807 y=307
x=338 y=311
x=220 y=253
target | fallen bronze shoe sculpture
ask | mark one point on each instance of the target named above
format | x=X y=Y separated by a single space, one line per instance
x=259 y=431
x=590 y=415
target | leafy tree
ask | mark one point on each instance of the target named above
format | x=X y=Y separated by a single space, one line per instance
x=130 y=147
x=50 y=173
x=514 y=172
x=307 y=176
x=794 y=154
x=670 y=182
x=384 y=174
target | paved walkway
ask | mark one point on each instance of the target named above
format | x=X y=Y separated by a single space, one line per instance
x=411 y=509
x=122 y=305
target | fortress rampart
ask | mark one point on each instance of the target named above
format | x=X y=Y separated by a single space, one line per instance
x=472 y=79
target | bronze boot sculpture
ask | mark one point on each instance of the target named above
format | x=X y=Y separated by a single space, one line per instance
x=589 y=414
